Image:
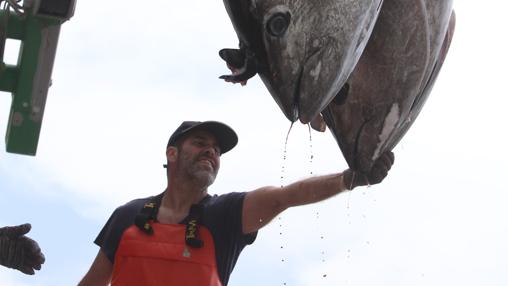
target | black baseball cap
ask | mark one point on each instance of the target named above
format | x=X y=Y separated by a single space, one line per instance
x=225 y=135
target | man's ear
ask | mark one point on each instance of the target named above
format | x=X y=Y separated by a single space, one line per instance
x=171 y=153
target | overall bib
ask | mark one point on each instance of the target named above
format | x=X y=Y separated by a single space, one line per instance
x=155 y=254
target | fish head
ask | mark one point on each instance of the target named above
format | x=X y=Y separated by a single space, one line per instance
x=304 y=50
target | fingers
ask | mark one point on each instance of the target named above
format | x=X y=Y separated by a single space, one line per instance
x=26 y=269
x=360 y=180
x=21 y=253
x=318 y=123
x=377 y=174
x=32 y=250
x=36 y=259
x=388 y=159
x=381 y=167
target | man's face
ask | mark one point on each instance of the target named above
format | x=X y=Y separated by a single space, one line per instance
x=199 y=156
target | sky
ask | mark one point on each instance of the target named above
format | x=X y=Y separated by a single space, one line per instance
x=126 y=76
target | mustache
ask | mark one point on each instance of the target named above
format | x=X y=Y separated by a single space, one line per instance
x=204 y=156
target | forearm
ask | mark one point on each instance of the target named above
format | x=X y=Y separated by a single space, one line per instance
x=262 y=205
x=312 y=190
x=99 y=273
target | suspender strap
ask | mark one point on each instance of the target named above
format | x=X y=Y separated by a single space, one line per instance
x=192 y=228
x=147 y=213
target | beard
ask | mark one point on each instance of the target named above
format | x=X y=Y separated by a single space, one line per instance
x=195 y=170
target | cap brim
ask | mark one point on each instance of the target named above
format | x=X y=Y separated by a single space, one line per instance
x=225 y=135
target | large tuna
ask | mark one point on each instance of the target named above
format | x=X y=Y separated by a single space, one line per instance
x=392 y=79
x=303 y=50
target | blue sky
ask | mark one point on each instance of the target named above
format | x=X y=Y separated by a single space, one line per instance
x=125 y=77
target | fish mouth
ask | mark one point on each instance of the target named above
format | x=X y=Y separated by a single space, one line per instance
x=307 y=112
x=296 y=108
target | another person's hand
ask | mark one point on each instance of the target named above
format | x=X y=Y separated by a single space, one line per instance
x=353 y=179
x=19 y=251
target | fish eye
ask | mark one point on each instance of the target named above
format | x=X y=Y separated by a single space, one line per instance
x=278 y=24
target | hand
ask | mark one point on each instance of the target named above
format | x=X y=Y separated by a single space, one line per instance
x=18 y=251
x=353 y=179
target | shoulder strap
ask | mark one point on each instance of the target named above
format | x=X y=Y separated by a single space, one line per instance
x=192 y=227
x=147 y=213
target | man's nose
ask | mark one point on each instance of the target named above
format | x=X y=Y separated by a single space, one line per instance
x=211 y=150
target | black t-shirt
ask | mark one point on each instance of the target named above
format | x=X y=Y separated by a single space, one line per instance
x=222 y=215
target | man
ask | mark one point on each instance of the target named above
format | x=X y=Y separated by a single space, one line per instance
x=184 y=236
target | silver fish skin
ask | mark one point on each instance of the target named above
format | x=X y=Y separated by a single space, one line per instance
x=304 y=50
x=392 y=79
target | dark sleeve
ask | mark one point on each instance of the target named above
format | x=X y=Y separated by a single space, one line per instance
x=121 y=219
x=223 y=216
x=226 y=214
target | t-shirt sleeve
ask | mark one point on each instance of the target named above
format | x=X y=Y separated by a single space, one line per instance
x=224 y=216
x=109 y=237
x=121 y=219
x=230 y=207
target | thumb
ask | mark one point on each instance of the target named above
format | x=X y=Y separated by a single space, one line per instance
x=16 y=231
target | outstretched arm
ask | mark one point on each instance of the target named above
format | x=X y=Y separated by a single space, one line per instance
x=262 y=205
x=19 y=251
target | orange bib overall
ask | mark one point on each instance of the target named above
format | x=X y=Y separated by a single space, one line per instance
x=163 y=258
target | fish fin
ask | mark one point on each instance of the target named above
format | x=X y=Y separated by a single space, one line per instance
x=242 y=63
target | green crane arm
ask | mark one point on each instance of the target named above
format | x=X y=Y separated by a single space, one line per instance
x=38 y=28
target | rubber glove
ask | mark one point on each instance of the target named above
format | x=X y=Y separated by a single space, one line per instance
x=353 y=179
x=19 y=251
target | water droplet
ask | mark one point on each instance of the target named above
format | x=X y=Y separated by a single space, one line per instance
x=284 y=156
x=310 y=146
